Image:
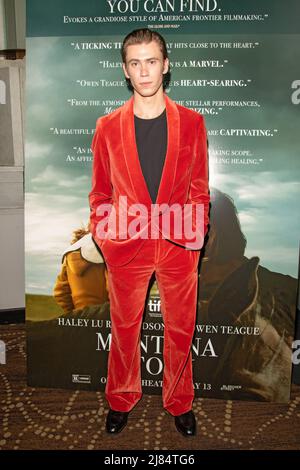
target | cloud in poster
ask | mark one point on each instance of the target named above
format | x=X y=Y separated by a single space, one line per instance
x=51 y=220
x=37 y=150
x=257 y=188
x=49 y=177
x=267 y=205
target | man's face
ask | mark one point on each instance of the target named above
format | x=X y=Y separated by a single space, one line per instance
x=145 y=67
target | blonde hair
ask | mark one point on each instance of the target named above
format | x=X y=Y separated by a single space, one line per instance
x=80 y=232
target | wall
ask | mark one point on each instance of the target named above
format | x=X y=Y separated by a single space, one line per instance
x=12 y=84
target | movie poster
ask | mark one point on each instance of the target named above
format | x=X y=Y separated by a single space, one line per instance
x=237 y=63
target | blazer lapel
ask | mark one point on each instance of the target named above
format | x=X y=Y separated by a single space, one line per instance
x=132 y=158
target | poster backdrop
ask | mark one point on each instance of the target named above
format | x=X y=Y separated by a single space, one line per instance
x=238 y=64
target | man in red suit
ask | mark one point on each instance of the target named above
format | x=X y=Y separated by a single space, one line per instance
x=149 y=213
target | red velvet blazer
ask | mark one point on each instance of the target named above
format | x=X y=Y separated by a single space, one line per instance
x=117 y=172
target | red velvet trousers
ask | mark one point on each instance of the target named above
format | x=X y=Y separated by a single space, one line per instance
x=176 y=272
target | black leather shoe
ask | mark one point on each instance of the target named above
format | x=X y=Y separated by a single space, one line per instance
x=116 y=421
x=186 y=423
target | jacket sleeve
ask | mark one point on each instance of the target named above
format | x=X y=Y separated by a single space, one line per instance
x=62 y=291
x=101 y=192
x=199 y=187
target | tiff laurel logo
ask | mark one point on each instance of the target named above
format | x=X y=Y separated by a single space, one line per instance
x=2 y=352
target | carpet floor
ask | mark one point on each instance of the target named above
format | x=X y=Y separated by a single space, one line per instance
x=56 y=419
